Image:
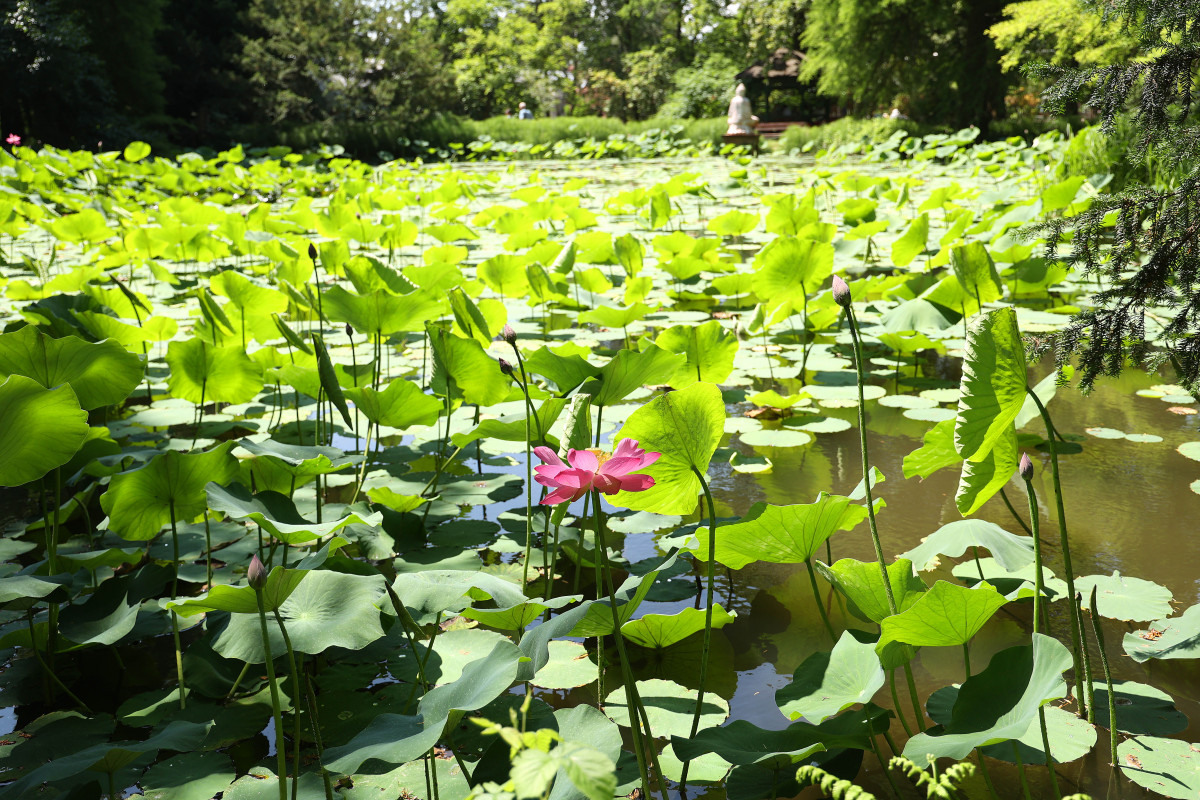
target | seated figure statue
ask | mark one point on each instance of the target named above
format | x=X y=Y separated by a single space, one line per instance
x=741 y=120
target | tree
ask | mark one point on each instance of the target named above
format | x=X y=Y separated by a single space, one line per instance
x=1059 y=32
x=1151 y=257
x=931 y=57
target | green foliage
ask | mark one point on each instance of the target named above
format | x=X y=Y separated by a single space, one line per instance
x=1061 y=32
x=952 y=77
x=702 y=90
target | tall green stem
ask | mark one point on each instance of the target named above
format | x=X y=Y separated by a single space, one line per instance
x=708 y=614
x=633 y=701
x=866 y=464
x=1035 y=529
x=1108 y=680
x=287 y=643
x=174 y=615
x=812 y=579
x=1076 y=622
x=280 y=755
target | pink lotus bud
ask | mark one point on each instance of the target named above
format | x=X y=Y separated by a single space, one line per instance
x=509 y=335
x=841 y=292
x=1026 y=468
x=506 y=367
x=256 y=575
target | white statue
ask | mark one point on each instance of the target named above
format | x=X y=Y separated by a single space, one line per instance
x=741 y=120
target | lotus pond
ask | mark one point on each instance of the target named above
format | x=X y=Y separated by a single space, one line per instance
x=271 y=527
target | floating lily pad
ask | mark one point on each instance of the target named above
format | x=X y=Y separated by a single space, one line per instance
x=1169 y=767
x=777 y=437
x=1125 y=598
x=569 y=667
x=1141 y=709
x=749 y=464
x=669 y=707
x=1105 y=433
x=934 y=415
x=819 y=424
x=907 y=401
x=1190 y=449
x=827 y=683
x=1175 y=637
x=1143 y=438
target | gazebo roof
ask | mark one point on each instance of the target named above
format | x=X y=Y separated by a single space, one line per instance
x=783 y=63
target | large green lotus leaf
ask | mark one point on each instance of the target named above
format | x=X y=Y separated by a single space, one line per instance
x=139 y=503
x=278 y=515
x=629 y=370
x=669 y=706
x=915 y=315
x=827 y=683
x=241 y=599
x=1127 y=599
x=109 y=757
x=743 y=743
x=1071 y=737
x=1169 y=767
x=40 y=429
x=630 y=594
x=946 y=615
x=1011 y=552
x=937 y=452
x=19 y=592
x=328 y=378
x=99 y=373
x=516 y=615
x=105 y=617
x=685 y=427
x=791 y=269
x=246 y=295
x=299 y=461
x=585 y=725
x=976 y=272
x=327 y=609
x=189 y=776
x=1020 y=584
x=912 y=243
x=709 y=349
x=1175 y=637
x=461 y=369
x=569 y=667
x=657 y=631
x=427 y=593
x=1000 y=703
x=381 y=312
x=733 y=223
x=981 y=480
x=562 y=366
x=201 y=372
x=395 y=739
x=1141 y=709
x=782 y=534
x=535 y=644
x=405 y=780
x=862 y=585
x=511 y=427
x=993 y=383
x=615 y=316
x=470 y=321
x=453 y=651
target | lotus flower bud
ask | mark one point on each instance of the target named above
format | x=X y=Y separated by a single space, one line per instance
x=506 y=367
x=509 y=335
x=1026 y=468
x=312 y=251
x=349 y=331
x=841 y=292
x=256 y=575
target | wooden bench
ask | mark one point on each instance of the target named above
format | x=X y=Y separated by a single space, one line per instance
x=773 y=130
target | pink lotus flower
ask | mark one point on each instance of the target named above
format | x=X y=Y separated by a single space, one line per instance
x=13 y=139
x=593 y=469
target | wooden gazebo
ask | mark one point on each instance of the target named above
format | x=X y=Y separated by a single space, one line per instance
x=781 y=72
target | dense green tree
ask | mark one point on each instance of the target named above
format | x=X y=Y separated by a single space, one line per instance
x=1058 y=32
x=1151 y=257
x=931 y=58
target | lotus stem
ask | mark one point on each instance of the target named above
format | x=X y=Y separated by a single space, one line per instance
x=1087 y=668
x=1108 y=680
x=896 y=702
x=287 y=643
x=1076 y=622
x=174 y=615
x=1046 y=749
x=866 y=463
x=633 y=702
x=1035 y=524
x=708 y=612
x=280 y=747
x=315 y=725
x=812 y=579
x=1013 y=511
x=1020 y=769
x=37 y=654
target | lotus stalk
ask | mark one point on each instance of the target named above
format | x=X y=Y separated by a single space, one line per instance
x=1108 y=680
x=256 y=576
